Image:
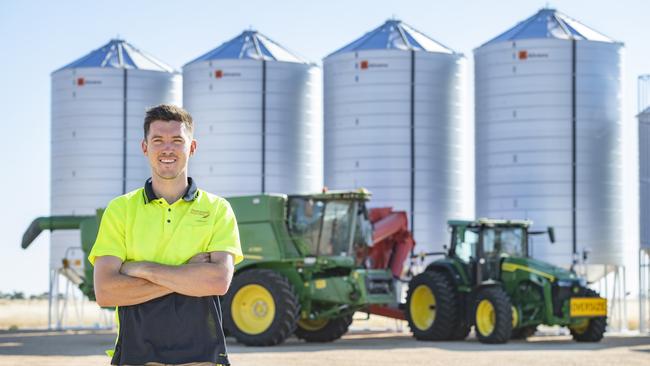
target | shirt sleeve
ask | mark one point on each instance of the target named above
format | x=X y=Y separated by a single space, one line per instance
x=225 y=235
x=111 y=239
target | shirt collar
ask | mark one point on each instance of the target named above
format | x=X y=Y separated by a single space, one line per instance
x=190 y=194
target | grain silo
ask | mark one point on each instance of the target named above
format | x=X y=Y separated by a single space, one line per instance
x=549 y=136
x=257 y=112
x=395 y=124
x=644 y=211
x=98 y=105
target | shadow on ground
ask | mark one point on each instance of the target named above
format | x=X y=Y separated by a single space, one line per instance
x=373 y=341
x=90 y=343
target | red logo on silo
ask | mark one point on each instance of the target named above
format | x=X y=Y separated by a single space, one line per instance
x=218 y=74
x=523 y=55
x=81 y=81
x=364 y=64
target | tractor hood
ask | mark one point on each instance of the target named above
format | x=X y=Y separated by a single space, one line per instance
x=539 y=268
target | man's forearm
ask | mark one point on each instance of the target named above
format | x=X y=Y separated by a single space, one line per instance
x=192 y=279
x=122 y=290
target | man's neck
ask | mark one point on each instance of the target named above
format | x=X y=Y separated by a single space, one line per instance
x=169 y=189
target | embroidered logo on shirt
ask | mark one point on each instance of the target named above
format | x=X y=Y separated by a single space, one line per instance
x=203 y=214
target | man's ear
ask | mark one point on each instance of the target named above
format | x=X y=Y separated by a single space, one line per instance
x=192 y=147
x=143 y=145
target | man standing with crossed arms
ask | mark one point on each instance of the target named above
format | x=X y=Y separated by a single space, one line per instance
x=163 y=254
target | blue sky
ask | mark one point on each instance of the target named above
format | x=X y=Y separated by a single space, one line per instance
x=38 y=37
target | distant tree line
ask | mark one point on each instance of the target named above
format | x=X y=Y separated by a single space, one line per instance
x=19 y=295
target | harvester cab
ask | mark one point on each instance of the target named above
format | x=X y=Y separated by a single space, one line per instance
x=330 y=224
x=487 y=280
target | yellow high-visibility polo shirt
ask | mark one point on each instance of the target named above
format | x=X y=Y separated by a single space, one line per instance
x=138 y=226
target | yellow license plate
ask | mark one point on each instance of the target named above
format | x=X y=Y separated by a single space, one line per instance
x=588 y=306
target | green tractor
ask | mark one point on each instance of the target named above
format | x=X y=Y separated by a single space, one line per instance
x=487 y=280
x=301 y=274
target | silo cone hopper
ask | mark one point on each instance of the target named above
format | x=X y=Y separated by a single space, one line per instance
x=79 y=272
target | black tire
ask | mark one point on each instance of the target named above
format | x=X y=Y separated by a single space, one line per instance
x=326 y=331
x=596 y=327
x=460 y=332
x=437 y=325
x=523 y=332
x=501 y=324
x=283 y=322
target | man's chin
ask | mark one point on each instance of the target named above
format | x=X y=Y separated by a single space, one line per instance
x=168 y=175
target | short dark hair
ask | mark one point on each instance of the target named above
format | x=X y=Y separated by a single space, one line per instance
x=167 y=112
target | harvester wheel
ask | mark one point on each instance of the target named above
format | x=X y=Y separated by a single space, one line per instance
x=493 y=315
x=325 y=330
x=431 y=307
x=261 y=308
x=590 y=329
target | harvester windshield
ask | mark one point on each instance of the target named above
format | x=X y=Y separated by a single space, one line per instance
x=328 y=227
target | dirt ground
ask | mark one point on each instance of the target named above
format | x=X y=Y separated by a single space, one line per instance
x=372 y=342
x=357 y=348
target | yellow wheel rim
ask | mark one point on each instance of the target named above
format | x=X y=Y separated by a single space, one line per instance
x=485 y=317
x=581 y=327
x=515 y=317
x=423 y=307
x=312 y=325
x=253 y=309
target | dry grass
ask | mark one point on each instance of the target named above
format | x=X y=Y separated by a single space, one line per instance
x=33 y=314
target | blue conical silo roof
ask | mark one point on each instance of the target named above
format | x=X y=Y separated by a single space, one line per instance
x=394 y=35
x=550 y=23
x=119 y=54
x=250 y=45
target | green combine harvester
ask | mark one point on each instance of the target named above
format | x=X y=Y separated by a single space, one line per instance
x=312 y=261
x=300 y=274
x=487 y=280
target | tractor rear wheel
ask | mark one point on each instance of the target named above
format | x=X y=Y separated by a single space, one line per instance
x=589 y=329
x=493 y=315
x=323 y=330
x=261 y=308
x=431 y=307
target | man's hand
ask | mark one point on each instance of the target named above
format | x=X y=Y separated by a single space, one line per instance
x=135 y=269
x=200 y=258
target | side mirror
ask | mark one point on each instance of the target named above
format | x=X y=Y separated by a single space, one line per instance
x=445 y=247
x=551 y=234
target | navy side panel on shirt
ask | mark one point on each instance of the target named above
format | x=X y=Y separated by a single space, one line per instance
x=173 y=329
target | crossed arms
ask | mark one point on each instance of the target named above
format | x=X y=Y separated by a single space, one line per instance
x=120 y=283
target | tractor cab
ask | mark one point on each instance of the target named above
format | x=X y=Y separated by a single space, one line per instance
x=331 y=224
x=482 y=244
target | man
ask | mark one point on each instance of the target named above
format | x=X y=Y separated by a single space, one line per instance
x=164 y=253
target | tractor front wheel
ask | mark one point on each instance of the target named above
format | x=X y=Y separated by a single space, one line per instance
x=261 y=308
x=323 y=330
x=493 y=315
x=589 y=329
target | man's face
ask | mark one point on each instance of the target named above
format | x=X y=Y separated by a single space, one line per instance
x=168 y=147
